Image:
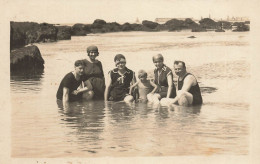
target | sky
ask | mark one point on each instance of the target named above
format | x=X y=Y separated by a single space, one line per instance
x=121 y=11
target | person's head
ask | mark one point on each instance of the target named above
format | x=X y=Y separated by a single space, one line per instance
x=92 y=52
x=142 y=75
x=79 y=67
x=120 y=61
x=158 y=61
x=179 y=68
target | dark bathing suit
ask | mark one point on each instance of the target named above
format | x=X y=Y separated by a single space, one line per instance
x=194 y=90
x=94 y=73
x=120 y=84
x=70 y=82
x=160 y=79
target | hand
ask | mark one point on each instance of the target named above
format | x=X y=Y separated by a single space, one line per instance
x=75 y=92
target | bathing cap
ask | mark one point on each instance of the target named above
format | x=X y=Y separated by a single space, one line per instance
x=92 y=49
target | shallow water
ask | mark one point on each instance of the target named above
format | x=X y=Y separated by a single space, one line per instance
x=220 y=61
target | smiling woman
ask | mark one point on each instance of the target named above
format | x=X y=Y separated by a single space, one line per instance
x=163 y=79
x=94 y=74
x=119 y=80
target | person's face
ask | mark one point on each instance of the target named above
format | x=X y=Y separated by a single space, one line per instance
x=79 y=70
x=143 y=78
x=121 y=65
x=179 y=70
x=93 y=55
x=158 y=63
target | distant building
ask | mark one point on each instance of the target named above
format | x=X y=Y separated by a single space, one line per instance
x=236 y=19
x=228 y=19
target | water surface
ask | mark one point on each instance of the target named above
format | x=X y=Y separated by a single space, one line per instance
x=220 y=61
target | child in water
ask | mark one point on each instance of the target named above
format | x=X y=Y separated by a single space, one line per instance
x=144 y=85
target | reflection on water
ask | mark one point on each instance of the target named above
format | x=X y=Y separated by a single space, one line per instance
x=43 y=128
x=207 y=89
x=26 y=80
x=130 y=129
x=87 y=118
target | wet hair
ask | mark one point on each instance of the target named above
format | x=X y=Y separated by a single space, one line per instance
x=176 y=62
x=142 y=73
x=79 y=63
x=92 y=49
x=118 y=57
x=158 y=56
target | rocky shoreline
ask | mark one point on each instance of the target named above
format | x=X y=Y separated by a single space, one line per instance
x=22 y=34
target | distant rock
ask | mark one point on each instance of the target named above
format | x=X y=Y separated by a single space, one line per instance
x=106 y=27
x=174 y=25
x=127 y=27
x=112 y=27
x=137 y=27
x=198 y=29
x=191 y=37
x=26 y=58
x=240 y=27
x=149 y=24
x=23 y=33
x=80 y=29
x=98 y=23
x=162 y=27
x=189 y=23
x=98 y=26
x=219 y=30
x=46 y=33
x=224 y=25
x=208 y=23
x=178 y=25
x=64 y=32
x=17 y=38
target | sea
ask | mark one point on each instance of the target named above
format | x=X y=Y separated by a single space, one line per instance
x=42 y=128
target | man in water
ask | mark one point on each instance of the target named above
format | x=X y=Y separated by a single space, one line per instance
x=72 y=86
x=188 y=91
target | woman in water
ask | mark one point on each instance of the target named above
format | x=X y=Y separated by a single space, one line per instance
x=119 y=81
x=94 y=74
x=163 y=78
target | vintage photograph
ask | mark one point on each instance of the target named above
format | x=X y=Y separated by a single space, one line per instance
x=125 y=79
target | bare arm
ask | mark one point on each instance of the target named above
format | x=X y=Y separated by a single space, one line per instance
x=134 y=79
x=65 y=97
x=188 y=82
x=170 y=83
x=155 y=87
x=108 y=85
x=132 y=86
x=87 y=87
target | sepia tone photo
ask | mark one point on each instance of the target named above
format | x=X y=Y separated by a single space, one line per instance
x=119 y=80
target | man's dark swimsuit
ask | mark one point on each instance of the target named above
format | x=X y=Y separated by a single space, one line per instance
x=194 y=90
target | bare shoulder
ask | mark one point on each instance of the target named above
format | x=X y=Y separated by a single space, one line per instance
x=151 y=81
x=138 y=81
x=190 y=79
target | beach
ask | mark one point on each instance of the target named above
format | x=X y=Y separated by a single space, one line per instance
x=220 y=61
